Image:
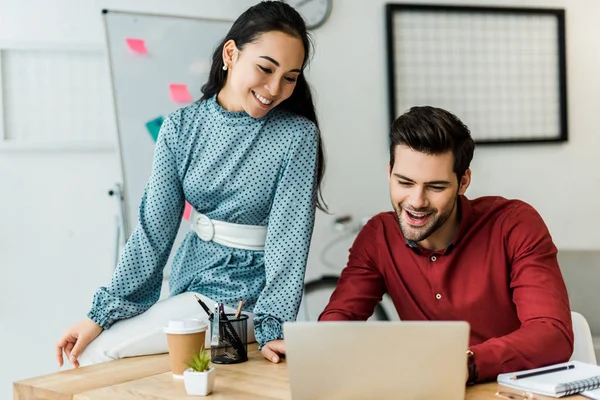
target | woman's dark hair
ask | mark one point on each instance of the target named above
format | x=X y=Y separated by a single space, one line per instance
x=431 y=130
x=269 y=16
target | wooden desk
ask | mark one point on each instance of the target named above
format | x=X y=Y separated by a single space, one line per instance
x=149 y=378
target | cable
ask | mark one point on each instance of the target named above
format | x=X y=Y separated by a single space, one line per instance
x=329 y=246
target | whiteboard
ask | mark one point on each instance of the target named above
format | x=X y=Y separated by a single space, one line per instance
x=148 y=53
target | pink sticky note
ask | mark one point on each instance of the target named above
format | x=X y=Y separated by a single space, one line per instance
x=187 y=211
x=180 y=93
x=137 y=45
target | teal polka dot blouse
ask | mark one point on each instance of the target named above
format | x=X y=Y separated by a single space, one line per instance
x=235 y=168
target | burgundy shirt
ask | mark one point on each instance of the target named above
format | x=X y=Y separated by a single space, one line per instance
x=500 y=274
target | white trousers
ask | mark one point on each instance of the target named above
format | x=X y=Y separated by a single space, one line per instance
x=143 y=334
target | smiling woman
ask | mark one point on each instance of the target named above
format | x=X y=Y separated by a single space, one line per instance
x=263 y=74
x=248 y=158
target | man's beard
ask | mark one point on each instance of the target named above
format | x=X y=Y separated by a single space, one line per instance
x=434 y=223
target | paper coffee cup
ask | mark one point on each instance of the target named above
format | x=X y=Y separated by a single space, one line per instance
x=184 y=337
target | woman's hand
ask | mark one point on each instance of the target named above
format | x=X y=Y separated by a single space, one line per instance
x=273 y=350
x=75 y=339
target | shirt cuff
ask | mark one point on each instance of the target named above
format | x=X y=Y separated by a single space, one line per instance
x=101 y=320
x=99 y=312
x=486 y=361
x=266 y=330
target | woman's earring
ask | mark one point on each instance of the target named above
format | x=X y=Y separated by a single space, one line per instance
x=225 y=67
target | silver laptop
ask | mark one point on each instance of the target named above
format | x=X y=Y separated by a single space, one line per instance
x=377 y=360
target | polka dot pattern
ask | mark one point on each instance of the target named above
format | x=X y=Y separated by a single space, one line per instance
x=235 y=168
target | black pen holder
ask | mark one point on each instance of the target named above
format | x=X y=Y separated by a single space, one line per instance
x=232 y=347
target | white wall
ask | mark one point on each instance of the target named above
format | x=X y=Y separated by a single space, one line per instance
x=56 y=221
x=349 y=73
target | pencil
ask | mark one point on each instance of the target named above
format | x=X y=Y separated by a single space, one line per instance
x=234 y=339
x=546 y=371
x=239 y=309
x=204 y=306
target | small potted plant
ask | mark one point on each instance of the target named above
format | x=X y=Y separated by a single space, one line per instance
x=199 y=379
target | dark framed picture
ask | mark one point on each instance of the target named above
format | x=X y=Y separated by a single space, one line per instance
x=501 y=70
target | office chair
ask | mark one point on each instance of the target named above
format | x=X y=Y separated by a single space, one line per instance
x=583 y=349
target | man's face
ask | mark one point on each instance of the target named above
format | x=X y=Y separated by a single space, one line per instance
x=424 y=191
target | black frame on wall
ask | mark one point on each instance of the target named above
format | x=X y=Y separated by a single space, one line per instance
x=392 y=60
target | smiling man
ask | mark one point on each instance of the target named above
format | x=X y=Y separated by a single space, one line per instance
x=440 y=256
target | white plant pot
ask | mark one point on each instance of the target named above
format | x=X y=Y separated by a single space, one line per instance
x=199 y=383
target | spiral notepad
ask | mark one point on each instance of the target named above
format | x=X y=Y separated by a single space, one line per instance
x=579 y=379
x=579 y=386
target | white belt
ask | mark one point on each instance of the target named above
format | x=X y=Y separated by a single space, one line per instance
x=248 y=237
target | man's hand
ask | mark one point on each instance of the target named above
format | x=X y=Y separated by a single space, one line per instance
x=273 y=350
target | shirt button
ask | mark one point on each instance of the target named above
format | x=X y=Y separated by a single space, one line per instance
x=433 y=258
x=438 y=296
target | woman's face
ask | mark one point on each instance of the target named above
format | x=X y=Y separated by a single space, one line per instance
x=263 y=74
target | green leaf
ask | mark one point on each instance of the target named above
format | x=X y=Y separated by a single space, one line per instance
x=200 y=360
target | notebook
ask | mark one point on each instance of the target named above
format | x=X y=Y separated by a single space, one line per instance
x=580 y=378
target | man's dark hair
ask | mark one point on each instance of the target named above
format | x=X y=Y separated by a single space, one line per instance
x=431 y=130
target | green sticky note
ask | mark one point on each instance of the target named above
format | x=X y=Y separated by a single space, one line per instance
x=154 y=127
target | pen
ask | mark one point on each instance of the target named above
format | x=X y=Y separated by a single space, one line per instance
x=204 y=306
x=546 y=371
